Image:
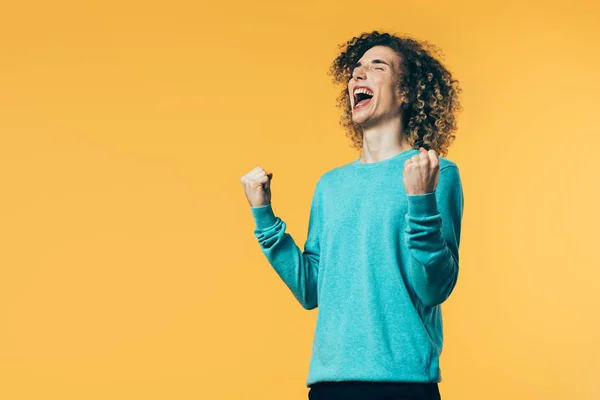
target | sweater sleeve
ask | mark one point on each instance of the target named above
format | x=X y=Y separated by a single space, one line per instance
x=296 y=267
x=432 y=236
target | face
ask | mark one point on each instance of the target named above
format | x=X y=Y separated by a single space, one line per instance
x=378 y=70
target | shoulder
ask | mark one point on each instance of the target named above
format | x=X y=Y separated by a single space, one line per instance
x=449 y=173
x=449 y=184
x=446 y=163
x=333 y=175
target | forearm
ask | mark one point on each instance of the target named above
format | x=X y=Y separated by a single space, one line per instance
x=433 y=267
x=298 y=269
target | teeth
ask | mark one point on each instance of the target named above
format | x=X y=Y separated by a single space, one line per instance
x=363 y=90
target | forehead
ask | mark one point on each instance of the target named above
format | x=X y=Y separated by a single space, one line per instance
x=384 y=53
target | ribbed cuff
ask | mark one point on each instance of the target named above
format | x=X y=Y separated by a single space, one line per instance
x=263 y=216
x=422 y=205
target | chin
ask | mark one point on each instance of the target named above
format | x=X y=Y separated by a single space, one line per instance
x=359 y=119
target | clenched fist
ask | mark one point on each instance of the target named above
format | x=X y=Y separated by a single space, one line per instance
x=257 y=186
x=421 y=172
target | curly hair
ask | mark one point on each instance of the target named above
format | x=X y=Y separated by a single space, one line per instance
x=429 y=113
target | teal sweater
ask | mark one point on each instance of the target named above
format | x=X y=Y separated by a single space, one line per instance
x=378 y=264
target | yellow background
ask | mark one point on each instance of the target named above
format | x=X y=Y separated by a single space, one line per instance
x=128 y=265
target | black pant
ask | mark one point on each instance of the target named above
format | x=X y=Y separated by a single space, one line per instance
x=366 y=390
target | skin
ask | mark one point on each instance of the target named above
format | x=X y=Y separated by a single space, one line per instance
x=421 y=173
x=381 y=119
x=257 y=186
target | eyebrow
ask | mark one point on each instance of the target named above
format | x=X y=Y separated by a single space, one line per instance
x=375 y=61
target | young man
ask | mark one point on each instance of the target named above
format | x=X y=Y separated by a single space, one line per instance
x=381 y=254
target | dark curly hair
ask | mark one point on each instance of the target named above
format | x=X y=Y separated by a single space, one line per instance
x=429 y=114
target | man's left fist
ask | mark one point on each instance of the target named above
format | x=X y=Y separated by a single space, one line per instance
x=421 y=172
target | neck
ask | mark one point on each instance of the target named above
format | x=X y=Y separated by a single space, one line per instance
x=383 y=141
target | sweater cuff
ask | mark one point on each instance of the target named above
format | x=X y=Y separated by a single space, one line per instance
x=422 y=205
x=263 y=216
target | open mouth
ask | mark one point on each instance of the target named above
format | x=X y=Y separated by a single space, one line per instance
x=362 y=99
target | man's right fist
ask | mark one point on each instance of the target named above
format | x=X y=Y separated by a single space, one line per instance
x=257 y=186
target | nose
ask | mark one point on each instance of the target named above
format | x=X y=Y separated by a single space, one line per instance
x=358 y=73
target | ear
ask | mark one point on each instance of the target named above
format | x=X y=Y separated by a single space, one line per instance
x=401 y=101
x=401 y=97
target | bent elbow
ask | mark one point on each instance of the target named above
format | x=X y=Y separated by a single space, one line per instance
x=309 y=304
x=436 y=296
